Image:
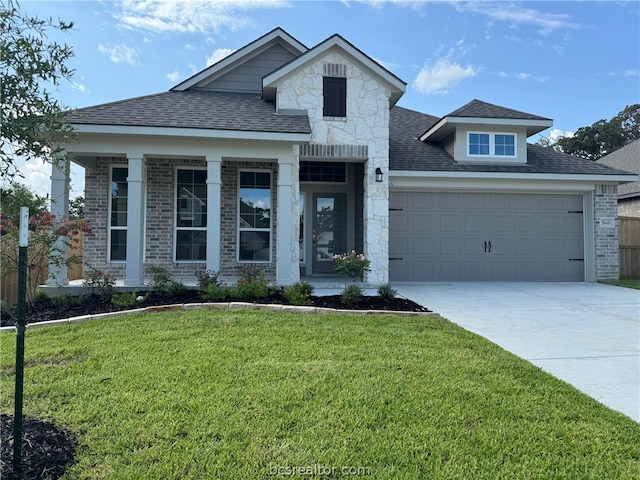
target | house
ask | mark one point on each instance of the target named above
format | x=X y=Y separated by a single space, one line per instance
x=280 y=156
x=627 y=158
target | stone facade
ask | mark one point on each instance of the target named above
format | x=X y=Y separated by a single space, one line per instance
x=366 y=124
x=607 y=257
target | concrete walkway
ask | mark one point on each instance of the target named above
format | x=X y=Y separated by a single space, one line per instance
x=586 y=334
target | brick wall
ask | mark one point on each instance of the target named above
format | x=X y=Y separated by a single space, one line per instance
x=607 y=260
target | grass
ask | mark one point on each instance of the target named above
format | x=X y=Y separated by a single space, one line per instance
x=250 y=395
x=625 y=282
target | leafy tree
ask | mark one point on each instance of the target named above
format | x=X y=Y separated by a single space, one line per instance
x=15 y=195
x=30 y=65
x=76 y=207
x=602 y=137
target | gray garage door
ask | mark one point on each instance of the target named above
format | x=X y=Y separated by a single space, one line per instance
x=482 y=236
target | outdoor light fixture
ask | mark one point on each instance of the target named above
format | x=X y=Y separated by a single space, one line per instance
x=378 y=174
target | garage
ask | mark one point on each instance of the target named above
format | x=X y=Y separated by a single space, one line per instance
x=464 y=236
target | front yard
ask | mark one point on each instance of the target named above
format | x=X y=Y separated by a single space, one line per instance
x=249 y=395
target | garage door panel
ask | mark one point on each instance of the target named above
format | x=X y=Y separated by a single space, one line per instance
x=532 y=236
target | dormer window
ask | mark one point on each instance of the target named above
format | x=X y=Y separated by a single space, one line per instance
x=492 y=144
x=335 y=97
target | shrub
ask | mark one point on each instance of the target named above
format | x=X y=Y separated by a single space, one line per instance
x=206 y=278
x=387 y=292
x=215 y=293
x=299 y=293
x=352 y=295
x=66 y=300
x=99 y=282
x=352 y=265
x=252 y=288
x=176 y=288
x=127 y=299
x=160 y=278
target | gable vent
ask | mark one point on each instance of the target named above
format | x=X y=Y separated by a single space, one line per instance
x=335 y=70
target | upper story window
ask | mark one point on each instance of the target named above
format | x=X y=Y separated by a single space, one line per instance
x=492 y=144
x=335 y=97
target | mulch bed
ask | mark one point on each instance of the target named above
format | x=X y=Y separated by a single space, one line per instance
x=47 y=450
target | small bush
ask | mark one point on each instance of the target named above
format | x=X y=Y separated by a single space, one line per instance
x=127 y=300
x=99 y=282
x=160 y=278
x=253 y=289
x=66 y=300
x=299 y=293
x=206 y=278
x=387 y=292
x=215 y=293
x=352 y=295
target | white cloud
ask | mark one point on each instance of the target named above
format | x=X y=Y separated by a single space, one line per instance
x=556 y=134
x=218 y=55
x=524 y=76
x=173 y=77
x=508 y=12
x=441 y=76
x=189 y=16
x=36 y=174
x=120 y=53
x=78 y=86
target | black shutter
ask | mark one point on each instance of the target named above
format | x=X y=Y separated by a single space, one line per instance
x=335 y=97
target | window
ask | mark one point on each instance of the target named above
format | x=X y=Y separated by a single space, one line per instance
x=254 y=229
x=332 y=172
x=335 y=97
x=191 y=215
x=492 y=144
x=118 y=215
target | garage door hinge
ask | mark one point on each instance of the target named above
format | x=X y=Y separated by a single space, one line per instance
x=395 y=209
x=576 y=259
x=396 y=258
x=575 y=211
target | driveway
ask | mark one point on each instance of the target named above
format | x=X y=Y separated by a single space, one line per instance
x=586 y=334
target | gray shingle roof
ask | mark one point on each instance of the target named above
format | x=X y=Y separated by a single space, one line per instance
x=406 y=152
x=626 y=158
x=194 y=109
x=479 y=109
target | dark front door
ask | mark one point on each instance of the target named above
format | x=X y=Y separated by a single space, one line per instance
x=329 y=230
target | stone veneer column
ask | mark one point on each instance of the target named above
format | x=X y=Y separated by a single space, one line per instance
x=59 y=208
x=607 y=261
x=287 y=248
x=135 y=221
x=376 y=222
x=214 y=207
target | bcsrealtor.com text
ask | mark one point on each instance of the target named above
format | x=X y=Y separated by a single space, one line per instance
x=317 y=470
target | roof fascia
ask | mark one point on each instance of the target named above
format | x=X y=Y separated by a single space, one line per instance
x=449 y=123
x=192 y=133
x=242 y=55
x=398 y=87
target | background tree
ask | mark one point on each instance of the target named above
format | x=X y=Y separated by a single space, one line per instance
x=14 y=195
x=602 y=137
x=76 y=207
x=33 y=122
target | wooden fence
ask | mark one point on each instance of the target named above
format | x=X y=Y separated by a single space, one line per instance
x=9 y=282
x=629 y=247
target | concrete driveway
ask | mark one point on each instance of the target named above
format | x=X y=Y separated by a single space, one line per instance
x=586 y=334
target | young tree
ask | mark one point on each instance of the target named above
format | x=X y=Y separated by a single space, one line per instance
x=33 y=122
x=14 y=195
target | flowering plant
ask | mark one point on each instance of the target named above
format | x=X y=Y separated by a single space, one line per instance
x=44 y=248
x=352 y=265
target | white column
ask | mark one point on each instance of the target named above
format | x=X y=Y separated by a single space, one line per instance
x=287 y=248
x=214 y=208
x=135 y=221
x=376 y=222
x=59 y=208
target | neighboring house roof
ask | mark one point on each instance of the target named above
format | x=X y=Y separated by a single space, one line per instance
x=626 y=158
x=198 y=109
x=407 y=152
x=477 y=112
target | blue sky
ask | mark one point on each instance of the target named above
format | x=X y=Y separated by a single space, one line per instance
x=575 y=62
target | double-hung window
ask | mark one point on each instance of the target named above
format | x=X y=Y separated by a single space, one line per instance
x=191 y=215
x=254 y=228
x=118 y=215
x=492 y=144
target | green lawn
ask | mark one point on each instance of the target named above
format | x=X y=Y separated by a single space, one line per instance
x=250 y=395
x=625 y=282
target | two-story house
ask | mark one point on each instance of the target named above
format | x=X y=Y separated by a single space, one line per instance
x=281 y=156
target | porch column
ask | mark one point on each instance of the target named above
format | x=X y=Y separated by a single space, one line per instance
x=59 y=208
x=214 y=207
x=135 y=221
x=376 y=221
x=287 y=227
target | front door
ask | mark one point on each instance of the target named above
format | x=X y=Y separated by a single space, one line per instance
x=329 y=230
